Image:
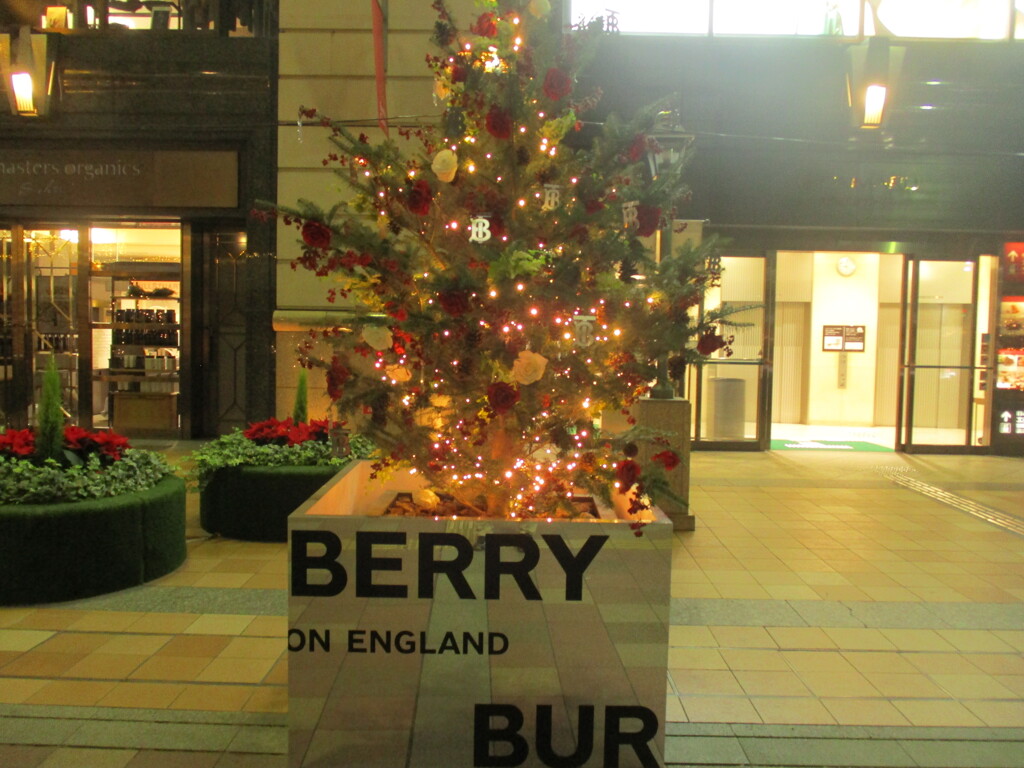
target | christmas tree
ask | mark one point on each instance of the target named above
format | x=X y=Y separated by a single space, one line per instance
x=494 y=264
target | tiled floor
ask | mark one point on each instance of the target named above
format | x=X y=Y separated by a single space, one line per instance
x=822 y=615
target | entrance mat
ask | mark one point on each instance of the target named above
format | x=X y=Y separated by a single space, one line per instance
x=827 y=445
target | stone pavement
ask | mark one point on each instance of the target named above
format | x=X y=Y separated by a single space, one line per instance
x=831 y=609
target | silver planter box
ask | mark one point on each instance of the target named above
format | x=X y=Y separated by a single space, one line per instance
x=427 y=642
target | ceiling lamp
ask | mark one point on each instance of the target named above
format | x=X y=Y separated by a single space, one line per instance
x=27 y=73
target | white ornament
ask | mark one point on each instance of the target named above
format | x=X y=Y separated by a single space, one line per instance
x=378 y=337
x=539 y=8
x=630 y=214
x=479 y=229
x=583 y=325
x=528 y=367
x=426 y=498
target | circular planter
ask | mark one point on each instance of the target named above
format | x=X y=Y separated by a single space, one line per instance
x=70 y=550
x=253 y=503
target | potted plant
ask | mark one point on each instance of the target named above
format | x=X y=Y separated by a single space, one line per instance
x=82 y=513
x=500 y=295
x=250 y=480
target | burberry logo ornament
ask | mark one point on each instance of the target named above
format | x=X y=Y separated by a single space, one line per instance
x=479 y=229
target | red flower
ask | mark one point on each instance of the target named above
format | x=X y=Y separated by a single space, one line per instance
x=320 y=429
x=17 y=442
x=316 y=235
x=485 y=26
x=269 y=431
x=396 y=311
x=419 y=198
x=459 y=73
x=638 y=148
x=557 y=84
x=337 y=375
x=111 y=444
x=76 y=438
x=710 y=342
x=627 y=472
x=298 y=433
x=668 y=459
x=499 y=123
x=455 y=303
x=647 y=217
x=502 y=397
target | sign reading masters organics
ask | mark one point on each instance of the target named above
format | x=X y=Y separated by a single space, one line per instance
x=474 y=643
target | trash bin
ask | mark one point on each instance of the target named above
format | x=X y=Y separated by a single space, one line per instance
x=729 y=406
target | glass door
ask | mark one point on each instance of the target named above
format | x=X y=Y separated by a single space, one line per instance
x=732 y=387
x=947 y=357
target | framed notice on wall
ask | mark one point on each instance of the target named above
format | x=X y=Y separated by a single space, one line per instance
x=853 y=338
x=832 y=338
x=843 y=338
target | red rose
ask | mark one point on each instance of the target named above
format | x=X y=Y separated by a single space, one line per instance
x=557 y=84
x=459 y=73
x=710 y=342
x=502 y=397
x=419 y=199
x=485 y=26
x=396 y=311
x=647 y=219
x=499 y=123
x=316 y=235
x=668 y=459
x=627 y=472
x=337 y=375
x=455 y=303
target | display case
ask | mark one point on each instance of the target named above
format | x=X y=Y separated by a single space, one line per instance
x=136 y=346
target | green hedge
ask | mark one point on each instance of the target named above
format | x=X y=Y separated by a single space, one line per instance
x=70 y=550
x=253 y=503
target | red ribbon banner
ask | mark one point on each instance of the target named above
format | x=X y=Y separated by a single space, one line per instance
x=379 y=61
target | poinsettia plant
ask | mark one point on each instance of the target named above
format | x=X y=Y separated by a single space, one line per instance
x=499 y=288
x=274 y=443
x=79 y=445
x=93 y=465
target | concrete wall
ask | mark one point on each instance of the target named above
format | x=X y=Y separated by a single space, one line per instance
x=327 y=62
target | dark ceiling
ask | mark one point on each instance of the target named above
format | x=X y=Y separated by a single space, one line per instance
x=776 y=145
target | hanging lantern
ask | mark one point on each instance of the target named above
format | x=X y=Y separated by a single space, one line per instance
x=630 y=214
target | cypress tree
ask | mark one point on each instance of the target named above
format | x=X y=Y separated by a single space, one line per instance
x=50 y=417
x=300 y=411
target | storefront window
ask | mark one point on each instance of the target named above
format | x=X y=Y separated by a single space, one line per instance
x=135 y=321
x=940 y=19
